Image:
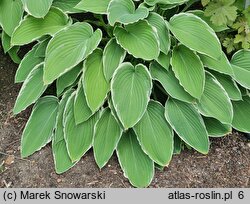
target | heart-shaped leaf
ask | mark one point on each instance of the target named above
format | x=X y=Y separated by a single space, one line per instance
x=139 y=39
x=155 y=135
x=37 y=8
x=31 y=28
x=188 y=124
x=131 y=88
x=136 y=165
x=106 y=137
x=39 y=128
x=123 y=11
x=67 y=6
x=194 y=33
x=189 y=70
x=77 y=41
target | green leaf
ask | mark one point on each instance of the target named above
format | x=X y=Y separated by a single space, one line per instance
x=136 y=165
x=31 y=90
x=28 y=63
x=11 y=13
x=155 y=135
x=159 y=23
x=153 y=2
x=113 y=56
x=222 y=12
x=177 y=145
x=106 y=137
x=189 y=70
x=39 y=128
x=68 y=79
x=170 y=83
x=194 y=33
x=123 y=11
x=229 y=85
x=37 y=8
x=41 y=48
x=5 y=42
x=164 y=60
x=94 y=83
x=60 y=154
x=131 y=88
x=130 y=38
x=241 y=67
x=215 y=128
x=13 y=53
x=216 y=28
x=78 y=137
x=221 y=65
x=241 y=119
x=77 y=41
x=67 y=6
x=82 y=112
x=31 y=28
x=93 y=6
x=215 y=101
x=188 y=124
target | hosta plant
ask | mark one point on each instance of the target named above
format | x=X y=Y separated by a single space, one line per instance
x=142 y=79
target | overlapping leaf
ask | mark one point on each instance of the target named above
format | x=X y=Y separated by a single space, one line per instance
x=37 y=8
x=77 y=41
x=139 y=39
x=155 y=135
x=194 y=33
x=95 y=85
x=136 y=165
x=31 y=28
x=11 y=13
x=188 y=124
x=124 y=11
x=93 y=6
x=39 y=128
x=189 y=70
x=106 y=137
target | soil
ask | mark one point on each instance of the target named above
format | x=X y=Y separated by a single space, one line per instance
x=226 y=165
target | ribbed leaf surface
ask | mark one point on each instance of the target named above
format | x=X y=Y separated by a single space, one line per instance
x=106 y=137
x=93 y=6
x=139 y=39
x=39 y=128
x=131 y=88
x=155 y=134
x=31 y=28
x=188 y=124
x=136 y=165
x=189 y=70
x=193 y=32
x=77 y=41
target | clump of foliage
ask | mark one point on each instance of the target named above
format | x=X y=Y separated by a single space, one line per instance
x=141 y=78
x=233 y=17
